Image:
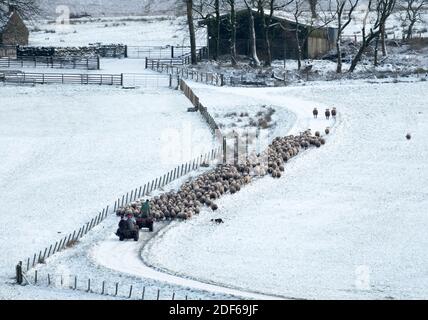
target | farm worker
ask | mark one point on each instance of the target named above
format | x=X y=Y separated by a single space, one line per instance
x=130 y=222
x=145 y=209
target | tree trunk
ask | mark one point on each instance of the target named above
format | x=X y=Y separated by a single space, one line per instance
x=376 y=50
x=189 y=4
x=410 y=30
x=217 y=19
x=233 y=34
x=357 y=58
x=299 y=48
x=253 y=43
x=383 y=39
x=313 y=6
x=339 y=55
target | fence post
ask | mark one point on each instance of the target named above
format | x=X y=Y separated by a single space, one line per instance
x=34 y=259
x=19 y=273
x=144 y=291
x=49 y=279
x=157 y=298
x=144 y=190
x=224 y=150
x=89 y=285
x=139 y=192
x=28 y=264
x=235 y=150
x=116 y=289
x=102 y=290
x=121 y=79
x=130 y=292
x=35 y=276
x=53 y=252
x=173 y=296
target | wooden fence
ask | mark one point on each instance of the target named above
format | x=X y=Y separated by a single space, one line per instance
x=71 y=239
x=185 y=73
x=194 y=99
x=124 y=79
x=61 y=78
x=51 y=62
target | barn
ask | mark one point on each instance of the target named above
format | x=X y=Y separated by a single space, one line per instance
x=319 y=40
x=13 y=30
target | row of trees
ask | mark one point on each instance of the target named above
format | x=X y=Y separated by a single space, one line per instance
x=314 y=14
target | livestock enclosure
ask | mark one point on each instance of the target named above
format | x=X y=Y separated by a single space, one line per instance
x=73 y=62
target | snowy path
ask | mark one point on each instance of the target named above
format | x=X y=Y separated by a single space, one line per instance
x=346 y=221
x=111 y=253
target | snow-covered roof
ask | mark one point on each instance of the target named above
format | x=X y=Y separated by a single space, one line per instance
x=305 y=17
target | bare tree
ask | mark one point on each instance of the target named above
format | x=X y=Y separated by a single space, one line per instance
x=209 y=10
x=266 y=22
x=343 y=20
x=253 y=41
x=313 y=7
x=26 y=8
x=305 y=26
x=410 y=12
x=383 y=9
x=232 y=10
x=189 y=11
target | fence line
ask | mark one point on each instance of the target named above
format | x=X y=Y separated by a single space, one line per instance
x=185 y=73
x=71 y=239
x=194 y=99
x=124 y=79
x=51 y=62
x=100 y=287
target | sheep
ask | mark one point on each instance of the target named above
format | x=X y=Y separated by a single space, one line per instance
x=315 y=113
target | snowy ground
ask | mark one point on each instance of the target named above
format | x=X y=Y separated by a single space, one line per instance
x=346 y=221
x=68 y=151
x=132 y=31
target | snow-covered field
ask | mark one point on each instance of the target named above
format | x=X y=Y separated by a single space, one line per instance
x=68 y=151
x=346 y=221
x=132 y=31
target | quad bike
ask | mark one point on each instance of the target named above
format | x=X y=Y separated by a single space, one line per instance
x=145 y=223
x=128 y=234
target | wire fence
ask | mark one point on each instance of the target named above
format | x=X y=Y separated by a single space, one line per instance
x=136 y=290
x=71 y=239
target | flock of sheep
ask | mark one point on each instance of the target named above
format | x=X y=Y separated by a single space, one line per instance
x=226 y=178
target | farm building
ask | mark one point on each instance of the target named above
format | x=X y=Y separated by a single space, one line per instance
x=319 y=40
x=13 y=30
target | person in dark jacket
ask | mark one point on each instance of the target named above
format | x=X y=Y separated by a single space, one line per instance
x=315 y=113
x=327 y=114
x=145 y=209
